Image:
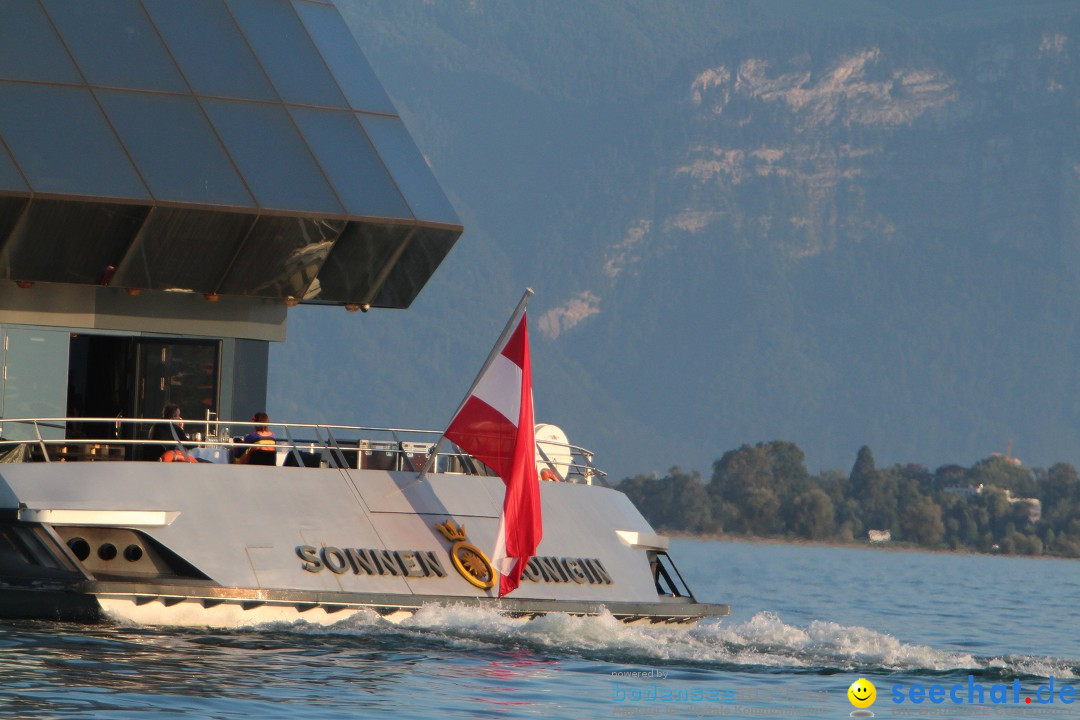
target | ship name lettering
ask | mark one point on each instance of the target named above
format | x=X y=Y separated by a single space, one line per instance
x=583 y=571
x=370 y=561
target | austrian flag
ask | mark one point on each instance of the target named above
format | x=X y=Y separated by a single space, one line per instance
x=495 y=425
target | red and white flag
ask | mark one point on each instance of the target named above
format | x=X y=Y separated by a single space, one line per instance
x=495 y=425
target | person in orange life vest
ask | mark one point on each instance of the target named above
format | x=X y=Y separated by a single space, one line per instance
x=263 y=440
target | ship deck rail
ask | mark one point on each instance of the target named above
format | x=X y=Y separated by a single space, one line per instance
x=95 y=439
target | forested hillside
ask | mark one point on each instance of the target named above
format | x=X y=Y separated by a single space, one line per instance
x=765 y=491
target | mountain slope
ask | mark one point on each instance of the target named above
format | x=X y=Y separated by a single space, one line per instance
x=851 y=224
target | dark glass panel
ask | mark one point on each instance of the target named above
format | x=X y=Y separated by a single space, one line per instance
x=174 y=148
x=10 y=179
x=29 y=48
x=183 y=372
x=342 y=53
x=272 y=157
x=180 y=248
x=114 y=44
x=212 y=53
x=417 y=264
x=60 y=139
x=11 y=209
x=72 y=242
x=281 y=257
x=286 y=52
x=358 y=261
x=345 y=154
x=409 y=169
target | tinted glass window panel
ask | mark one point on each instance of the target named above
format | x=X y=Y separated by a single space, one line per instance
x=60 y=139
x=272 y=157
x=10 y=179
x=180 y=248
x=347 y=158
x=29 y=48
x=342 y=53
x=409 y=169
x=177 y=371
x=174 y=148
x=285 y=50
x=72 y=242
x=359 y=260
x=212 y=53
x=114 y=44
x=281 y=257
x=36 y=368
x=425 y=252
x=11 y=209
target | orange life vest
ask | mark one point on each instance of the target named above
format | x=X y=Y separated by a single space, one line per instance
x=177 y=456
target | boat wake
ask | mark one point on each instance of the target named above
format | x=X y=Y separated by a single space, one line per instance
x=763 y=643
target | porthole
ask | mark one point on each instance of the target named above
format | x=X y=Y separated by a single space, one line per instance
x=79 y=547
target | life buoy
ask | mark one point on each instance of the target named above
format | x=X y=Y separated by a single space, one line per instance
x=549 y=475
x=176 y=456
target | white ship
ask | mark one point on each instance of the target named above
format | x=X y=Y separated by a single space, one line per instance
x=173 y=178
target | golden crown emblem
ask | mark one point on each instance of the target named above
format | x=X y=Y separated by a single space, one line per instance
x=469 y=560
x=451 y=531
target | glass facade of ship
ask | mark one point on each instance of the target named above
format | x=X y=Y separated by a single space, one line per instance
x=172 y=176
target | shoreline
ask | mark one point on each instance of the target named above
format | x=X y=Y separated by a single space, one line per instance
x=855 y=544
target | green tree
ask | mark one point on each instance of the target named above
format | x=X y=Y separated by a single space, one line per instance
x=814 y=516
x=1004 y=473
x=921 y=522
x=677 y=501
x=864 y=468
x=751 y=484
x=875 y=492
x=1060 y=496
x=961 y=525
x=691 y=510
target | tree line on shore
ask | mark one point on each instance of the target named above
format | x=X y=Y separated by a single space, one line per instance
x=765 y=490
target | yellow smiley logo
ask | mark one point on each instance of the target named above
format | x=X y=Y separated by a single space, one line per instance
x=862 y=693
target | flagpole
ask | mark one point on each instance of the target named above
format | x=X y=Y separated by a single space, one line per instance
x=510 y=324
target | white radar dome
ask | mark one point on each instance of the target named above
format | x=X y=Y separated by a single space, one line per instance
x=551 y=443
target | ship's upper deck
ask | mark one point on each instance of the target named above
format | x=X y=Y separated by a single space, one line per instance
x=221 y=147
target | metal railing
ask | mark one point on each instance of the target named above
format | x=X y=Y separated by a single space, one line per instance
x=81 y=439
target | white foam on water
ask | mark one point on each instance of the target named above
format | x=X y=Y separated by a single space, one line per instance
x=762 y=641
x=829 y=644
x=1039 y=666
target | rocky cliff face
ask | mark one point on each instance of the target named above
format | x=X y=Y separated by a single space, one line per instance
x=864 y=238
x=830 y=147
x=744 y=224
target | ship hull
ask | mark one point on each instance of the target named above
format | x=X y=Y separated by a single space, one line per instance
x=230 y=546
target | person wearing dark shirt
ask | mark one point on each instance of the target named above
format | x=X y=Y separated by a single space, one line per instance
x=172 y=436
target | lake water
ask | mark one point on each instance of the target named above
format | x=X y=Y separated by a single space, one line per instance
x=806 y=623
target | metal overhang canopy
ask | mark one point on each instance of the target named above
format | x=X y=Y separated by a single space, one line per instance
x=238 y=147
